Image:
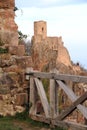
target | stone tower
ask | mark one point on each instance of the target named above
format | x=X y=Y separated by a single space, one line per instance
x=40 y=29
x=8 y=28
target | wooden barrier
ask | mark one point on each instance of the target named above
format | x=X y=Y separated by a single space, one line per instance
x=51 y=114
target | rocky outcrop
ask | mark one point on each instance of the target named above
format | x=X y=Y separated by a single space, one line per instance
x=8 y=28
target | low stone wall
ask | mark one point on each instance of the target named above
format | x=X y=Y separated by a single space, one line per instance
x=13 y=86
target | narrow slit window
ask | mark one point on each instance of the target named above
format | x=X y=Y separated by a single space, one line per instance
x=42 y=29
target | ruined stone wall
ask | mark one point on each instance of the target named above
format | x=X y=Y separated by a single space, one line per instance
x=8 y=28
x=13 y=86
x=52 y=42
x=13 y=63
x=43 y=55
x=63 y=56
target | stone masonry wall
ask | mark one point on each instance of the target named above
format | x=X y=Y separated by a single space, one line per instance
x=40 y=29
x=13 y=85
x=8 y=28
x=13 y=63
x=63 y=56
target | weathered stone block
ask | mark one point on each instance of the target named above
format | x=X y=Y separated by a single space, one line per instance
x=21 y=99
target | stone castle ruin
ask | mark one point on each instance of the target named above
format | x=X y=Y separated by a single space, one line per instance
x=48 y=50
x=47 y=53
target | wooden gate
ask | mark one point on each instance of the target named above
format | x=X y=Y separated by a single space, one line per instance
x=51 y=114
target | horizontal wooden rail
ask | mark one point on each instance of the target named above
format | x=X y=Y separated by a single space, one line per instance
x=65 y=77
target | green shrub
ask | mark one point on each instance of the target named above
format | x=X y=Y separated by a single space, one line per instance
x=3 y=50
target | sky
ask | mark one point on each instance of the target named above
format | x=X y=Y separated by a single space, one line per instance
x=66 y=18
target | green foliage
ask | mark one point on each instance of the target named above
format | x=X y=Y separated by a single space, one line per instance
x=3 y=50
x=1 y=43
x=21 y=35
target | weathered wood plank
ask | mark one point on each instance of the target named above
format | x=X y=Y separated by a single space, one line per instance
x=74 y=78
x=28 y=70
x=43 y=97
x=33 y=97
x=72 y=107
x=53 y=99
x=69 y=125
x=62 y=124
x=40 y=118
x=73 y=97
x=53 y=96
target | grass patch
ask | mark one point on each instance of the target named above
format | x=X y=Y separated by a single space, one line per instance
x=7 y=123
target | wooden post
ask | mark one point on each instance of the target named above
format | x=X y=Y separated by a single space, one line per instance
x=53 y=97
x=28 y=70
x=33 y=93
x=33 y=97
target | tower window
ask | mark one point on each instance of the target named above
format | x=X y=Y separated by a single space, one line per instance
x=42 y=29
